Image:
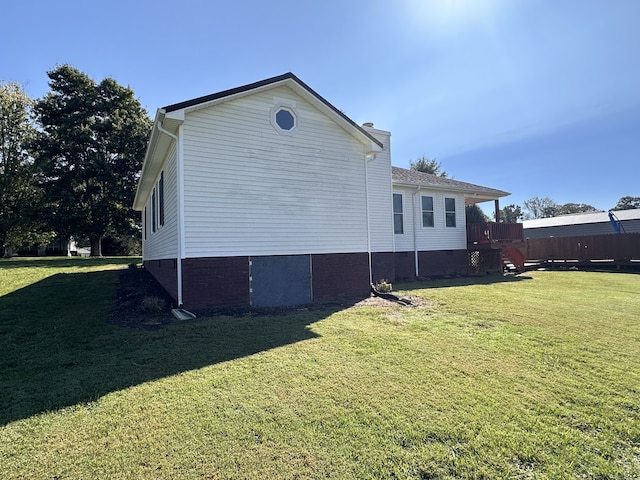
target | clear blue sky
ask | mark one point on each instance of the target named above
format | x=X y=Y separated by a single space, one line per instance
x=535 y=97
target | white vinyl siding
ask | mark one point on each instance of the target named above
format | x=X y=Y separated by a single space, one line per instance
x=380 y=194
x=252 y=191
x=439 y=237
x=162 y=243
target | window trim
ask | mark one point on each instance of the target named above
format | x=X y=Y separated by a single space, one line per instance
x=161 y=199
x=448 y=213
x=154 y=211
x=399 y=214
x=289 y=107
x=431 y=211
x=145 y=224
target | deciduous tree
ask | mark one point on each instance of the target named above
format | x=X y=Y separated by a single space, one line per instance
x=627 y=203
x=537 y=207
x=19 y=193
x=511 y=214
x=569 y=208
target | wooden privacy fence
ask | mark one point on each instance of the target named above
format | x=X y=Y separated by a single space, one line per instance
x=617 y=249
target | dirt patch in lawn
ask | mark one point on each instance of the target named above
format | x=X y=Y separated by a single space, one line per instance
x=374 y=301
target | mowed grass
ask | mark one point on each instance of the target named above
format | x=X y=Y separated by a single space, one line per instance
x=534 y=376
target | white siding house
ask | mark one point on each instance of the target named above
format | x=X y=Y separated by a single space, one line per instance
x=267 y=195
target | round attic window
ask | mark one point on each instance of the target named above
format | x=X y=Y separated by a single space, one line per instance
x=285 y=119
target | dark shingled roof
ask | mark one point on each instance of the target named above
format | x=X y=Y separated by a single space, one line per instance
x=403 y=176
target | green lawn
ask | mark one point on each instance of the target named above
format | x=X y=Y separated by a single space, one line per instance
x=534 y=376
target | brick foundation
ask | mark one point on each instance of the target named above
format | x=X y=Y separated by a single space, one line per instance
x=405 y=265
x=214 y=282
x=218 y=282
x=431 y=264
x=383 y=266
x=165 y=272
x=443 y=262
x=340 y=277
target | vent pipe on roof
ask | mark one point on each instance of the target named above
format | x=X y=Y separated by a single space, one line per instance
x=368 y=124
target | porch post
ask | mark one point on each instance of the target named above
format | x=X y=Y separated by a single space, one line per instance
x=497 y=207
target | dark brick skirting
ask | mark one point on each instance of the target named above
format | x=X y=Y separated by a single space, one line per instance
x=442 y=262
x=431 y=263
x=405 y=265
x=219 y=282
x=213 y=282
x=340 y=277
x=165 y=272
x=383 y=266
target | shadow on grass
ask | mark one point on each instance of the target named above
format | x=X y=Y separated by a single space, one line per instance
x=463 y=281
x=57 y=350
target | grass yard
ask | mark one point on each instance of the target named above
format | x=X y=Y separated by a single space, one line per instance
x=534 y=376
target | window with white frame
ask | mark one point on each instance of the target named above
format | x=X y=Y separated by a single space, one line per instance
x=427 y=211
x=450 y=212
x=398 y=221
x=154 y=212
x=161 y=199
x=284 y=118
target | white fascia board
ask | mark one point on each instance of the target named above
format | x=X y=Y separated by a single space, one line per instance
x=159 y=144
x=481 y=196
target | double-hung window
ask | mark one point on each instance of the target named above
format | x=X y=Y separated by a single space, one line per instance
x=154 y=214
x=398 y=222
x=161 y=199
x=450 y=212
x=427 y=211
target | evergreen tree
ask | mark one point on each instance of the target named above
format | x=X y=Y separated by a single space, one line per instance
x=427 y=165
x=90 y=150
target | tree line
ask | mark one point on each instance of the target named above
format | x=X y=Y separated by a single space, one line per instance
x=536 y=207
x=70 y=162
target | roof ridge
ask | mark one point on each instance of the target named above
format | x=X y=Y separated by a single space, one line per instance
x=263 y=83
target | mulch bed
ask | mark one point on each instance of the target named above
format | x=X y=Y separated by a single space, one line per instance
x=138 y=292
x=137 y=296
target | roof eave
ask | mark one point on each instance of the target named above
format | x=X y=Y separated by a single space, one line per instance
x=296 y=85
x=487 y=196
x=159 y=144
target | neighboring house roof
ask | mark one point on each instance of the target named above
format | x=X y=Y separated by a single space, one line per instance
x=170 y=117
x=581 y=218
x=473 y=193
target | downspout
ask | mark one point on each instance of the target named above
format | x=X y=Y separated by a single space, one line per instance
x=180 y=208
x=367 y=158
x=415 y=232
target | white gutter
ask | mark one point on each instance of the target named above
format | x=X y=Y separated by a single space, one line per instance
x=415 y=233
x=180 y=206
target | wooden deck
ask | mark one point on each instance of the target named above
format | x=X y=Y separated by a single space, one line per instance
x=494 y=236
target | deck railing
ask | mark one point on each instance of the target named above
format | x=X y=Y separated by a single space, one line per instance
x=492 y=232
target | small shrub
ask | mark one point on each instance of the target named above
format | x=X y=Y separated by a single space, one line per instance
x=384 y=286
x=153 y=304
